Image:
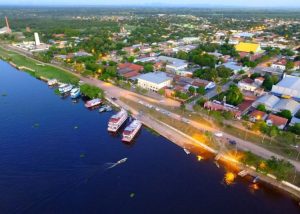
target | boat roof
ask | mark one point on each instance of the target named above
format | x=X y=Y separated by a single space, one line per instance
x=132 y=125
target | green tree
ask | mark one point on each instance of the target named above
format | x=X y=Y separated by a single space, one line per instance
x=289 y=65
x=192 y=90
x=295 y=129
x=286 y=114
x=91 y=91
x=234 y=96
x=148 y=68
x=201 y=90
x=261 y=107
x=268 y=82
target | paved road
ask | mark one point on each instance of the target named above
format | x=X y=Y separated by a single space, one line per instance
x=114 y=91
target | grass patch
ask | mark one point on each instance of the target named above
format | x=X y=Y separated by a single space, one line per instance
x=179 y=125
x=38 y=70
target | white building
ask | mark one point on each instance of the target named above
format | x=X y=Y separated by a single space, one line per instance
x=288 y=87
x=173 y=64
x=37 y=39
x=154 y=81
x=276 y=105
x=247 y=85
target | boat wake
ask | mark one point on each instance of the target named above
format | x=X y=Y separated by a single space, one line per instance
x=112 y=165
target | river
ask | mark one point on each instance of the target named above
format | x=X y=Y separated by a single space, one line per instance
x=54 y=156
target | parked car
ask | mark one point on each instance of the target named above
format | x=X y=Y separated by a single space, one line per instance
x=219 y=134
x=232 y=142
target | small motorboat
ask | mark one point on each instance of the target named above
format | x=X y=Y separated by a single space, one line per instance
x=93 y=103
x=52 y=82
x=105 y=108
x=75 y=93
x=65 y=88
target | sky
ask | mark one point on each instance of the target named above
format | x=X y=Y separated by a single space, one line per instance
x=203 y=3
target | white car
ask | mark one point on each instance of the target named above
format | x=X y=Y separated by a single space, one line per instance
x=219 y=134
x=185 y=120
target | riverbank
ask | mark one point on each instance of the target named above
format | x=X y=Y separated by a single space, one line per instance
x=177 y=136
x=36 y=68
x=186 y=141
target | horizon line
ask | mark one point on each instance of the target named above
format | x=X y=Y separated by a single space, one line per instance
x=192 y=6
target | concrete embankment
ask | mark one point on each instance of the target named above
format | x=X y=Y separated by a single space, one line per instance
x=186 y=141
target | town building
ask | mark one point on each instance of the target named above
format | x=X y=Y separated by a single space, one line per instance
x=257 y=115
x=173 y=64
x=248 y=47
x=280 y=64
x=248 y=84
x=274 y=120
x=235 y=67
x=276 y=104
x=288 y=87
x=129 y=70
x=154 y=81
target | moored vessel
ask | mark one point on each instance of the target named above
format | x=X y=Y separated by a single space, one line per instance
x=117 y=120
x=93 y=103
x=65 y=88
x=52 y=82
x=130 y=131
x=105 y=108
x=75 y=93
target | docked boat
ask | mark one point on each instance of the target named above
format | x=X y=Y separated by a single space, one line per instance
x=52 y=82
x=117 y=120
x=131 y=130
x=186 y=151
x=65 y=88
x=105 y=108
x=93 y=103
x=75 y=93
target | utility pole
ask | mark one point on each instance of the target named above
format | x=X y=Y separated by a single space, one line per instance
x=295 y=167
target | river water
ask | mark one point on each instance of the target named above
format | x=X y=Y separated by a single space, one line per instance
x=54 y=156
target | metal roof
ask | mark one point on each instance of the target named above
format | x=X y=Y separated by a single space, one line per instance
x=289 y=85
x=155 y=77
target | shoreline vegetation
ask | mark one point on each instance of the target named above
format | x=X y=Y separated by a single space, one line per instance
x=38 y=70
x=254 y=164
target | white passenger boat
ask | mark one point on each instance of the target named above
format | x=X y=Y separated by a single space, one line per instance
x=130 y=131
x=65 y=88
x=52 y=82
x=117 y=120
x=75 y=93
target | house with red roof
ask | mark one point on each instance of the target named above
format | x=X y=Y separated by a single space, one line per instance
x=129 y=70
x=257 y=115
x=274 y=120
x=280 y=64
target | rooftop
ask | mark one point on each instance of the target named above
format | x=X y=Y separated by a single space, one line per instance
x=289 y=85
x=277 y=121
x=155 y=77
x=247 y=47
x=259 y=115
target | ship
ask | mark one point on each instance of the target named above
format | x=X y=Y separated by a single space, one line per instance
x=75 y=93
x=130 y=131
x=117 y=120
x=105 y=108
x=52 y=82
x=65 y=88
x=93 y=103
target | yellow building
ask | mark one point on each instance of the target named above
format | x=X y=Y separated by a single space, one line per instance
x=248 y=47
